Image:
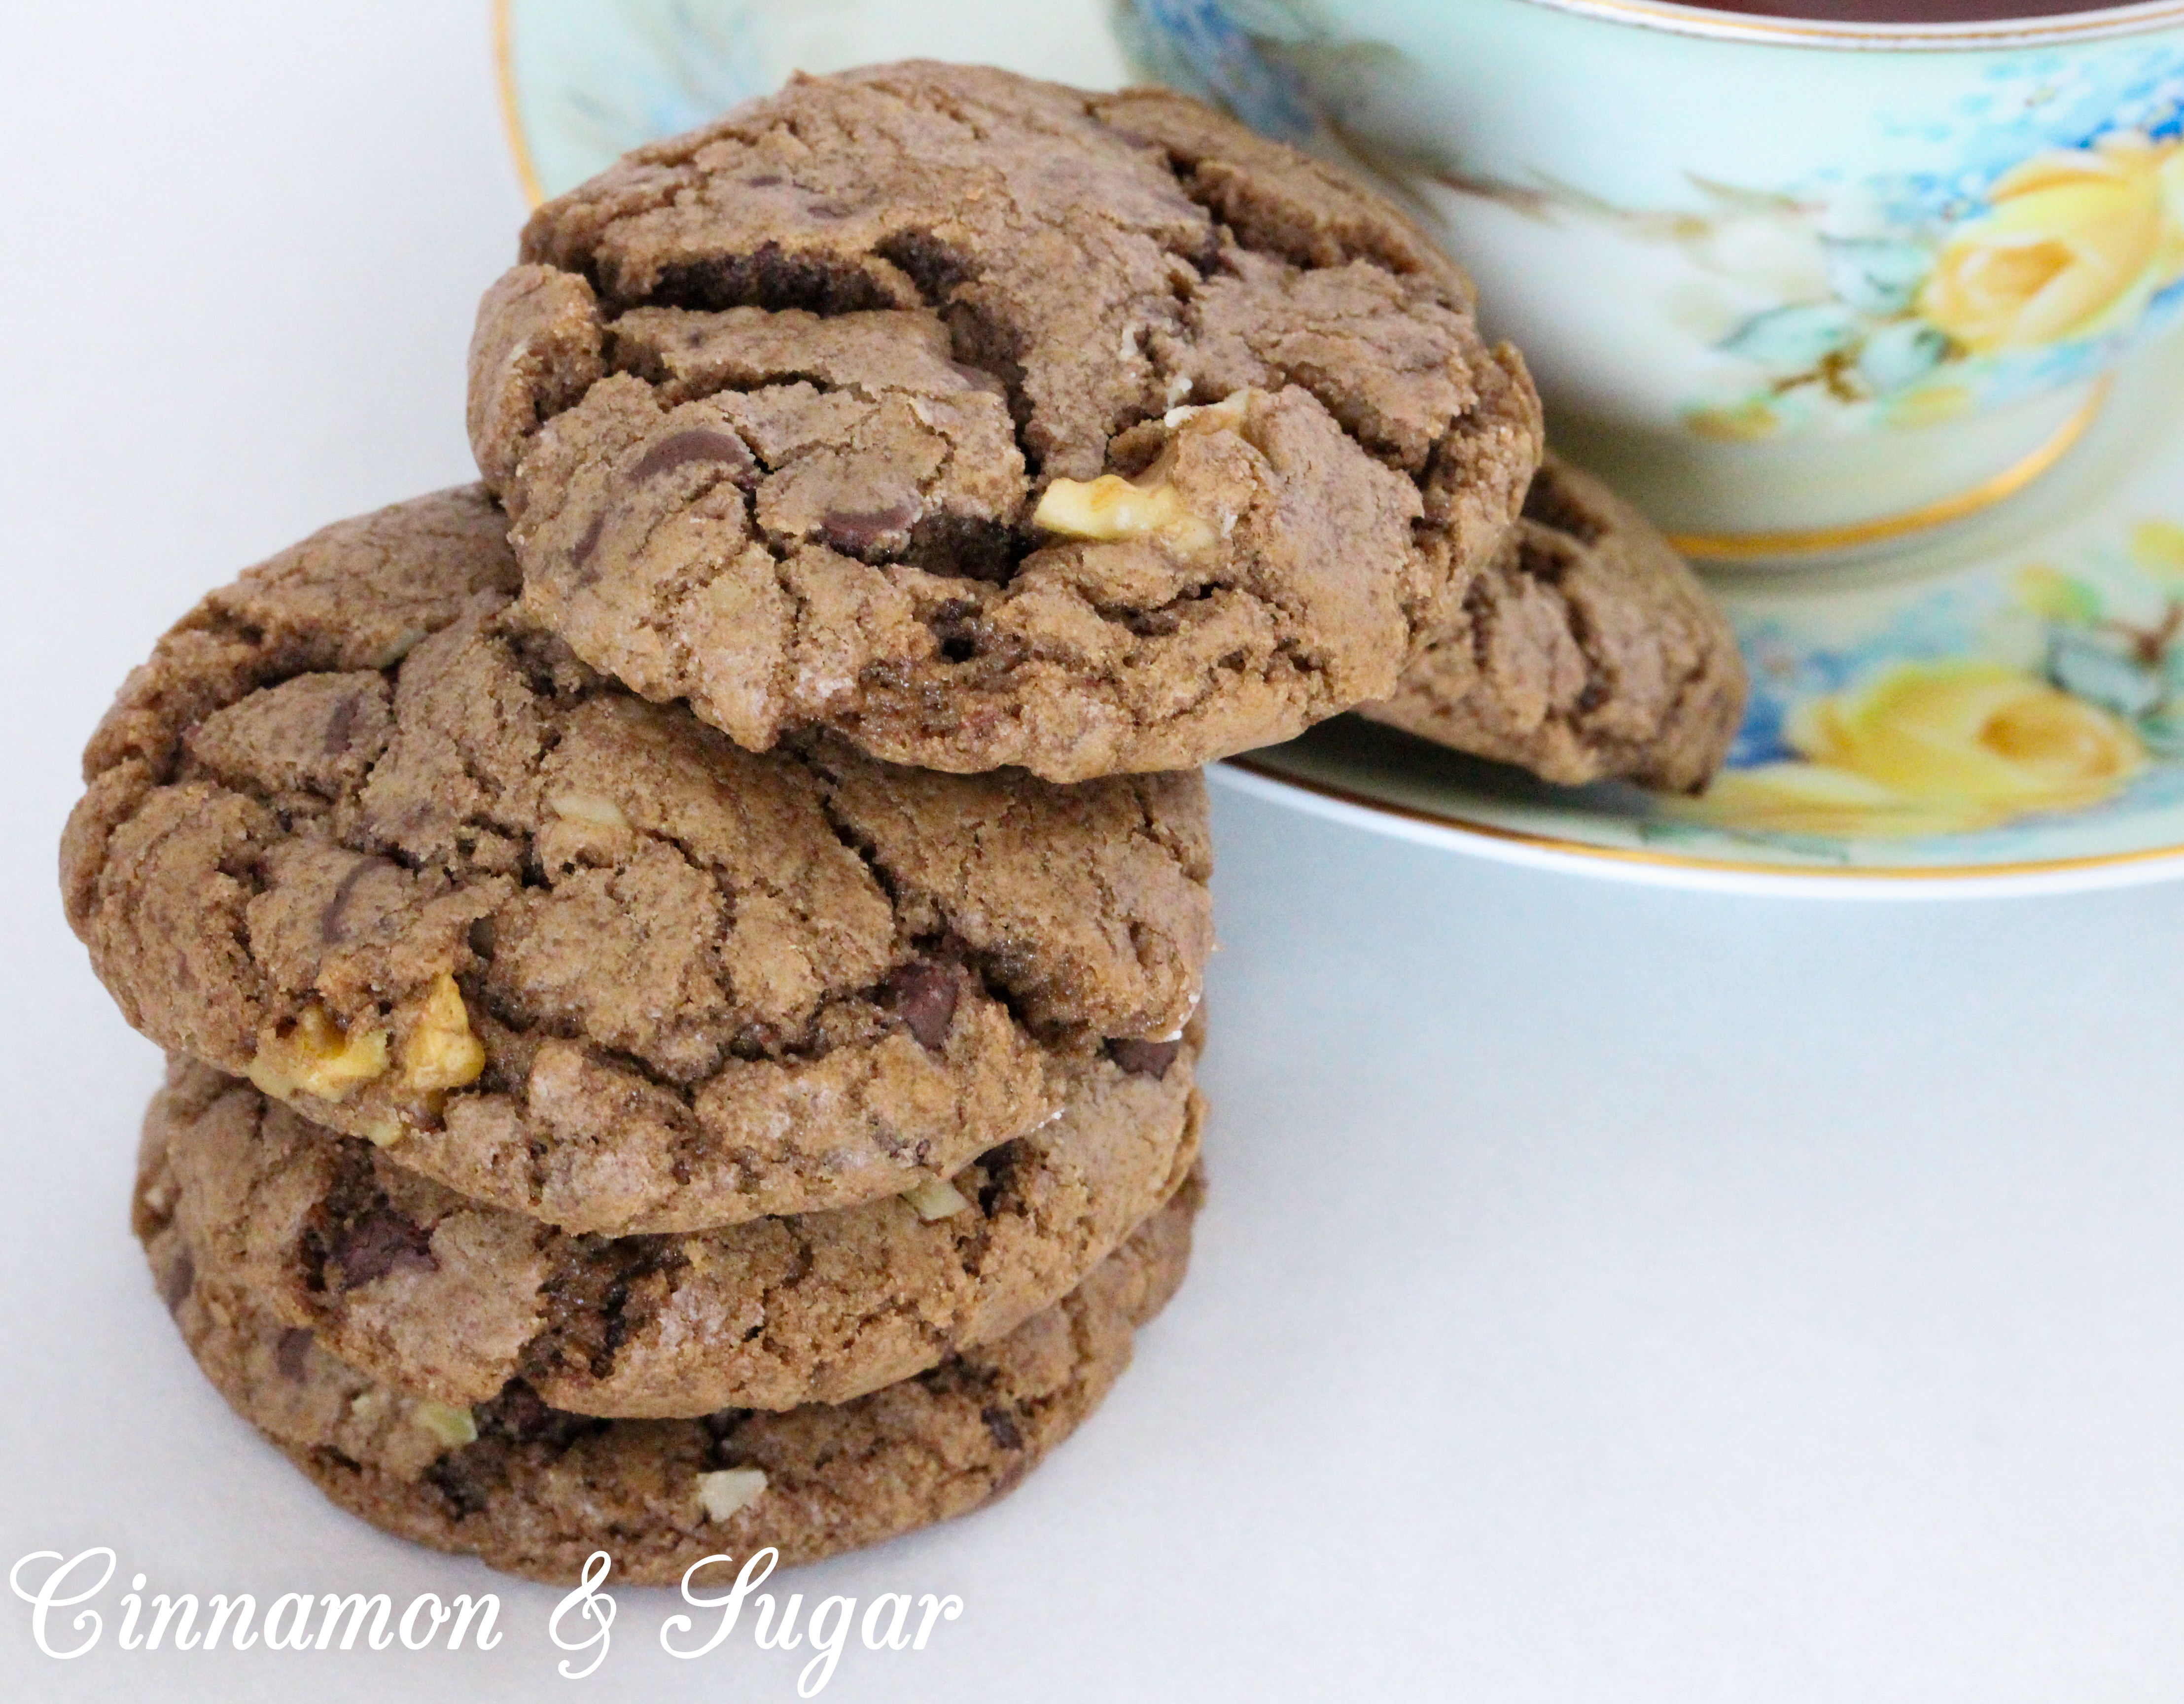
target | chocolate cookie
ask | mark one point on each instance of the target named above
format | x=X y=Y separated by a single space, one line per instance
x=444 y=1298
x=534 y=1491
x=359 y=833
x=1589 y=649
x=986 y=422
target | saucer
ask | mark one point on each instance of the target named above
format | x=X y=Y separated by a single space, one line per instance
x=1993 y=708
x=583 y=82
x=1997 y=708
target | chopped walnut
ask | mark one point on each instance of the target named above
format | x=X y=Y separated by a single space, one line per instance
x=454 y=1427
x=594 y=809
x=440 y=1051
x=936 y=1198
x=315 y=1055
x=1112 y=509
x=729 y=1489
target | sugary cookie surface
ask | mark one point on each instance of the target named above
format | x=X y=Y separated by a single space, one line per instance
x=988 y=422
x=535 y=1490
x=449 y=1298
x=361 y=833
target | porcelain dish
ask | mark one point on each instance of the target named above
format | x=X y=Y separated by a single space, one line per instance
x=1992 y=708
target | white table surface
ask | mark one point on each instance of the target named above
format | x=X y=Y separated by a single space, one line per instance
x=1607 y=1293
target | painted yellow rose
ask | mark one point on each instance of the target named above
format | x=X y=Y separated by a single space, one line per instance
x=1811 y=798
x=2075 y=244
x=1930 y=749
x=2158 y=547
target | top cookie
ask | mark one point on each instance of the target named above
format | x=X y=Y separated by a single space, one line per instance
x=359 y=833
x=1588 y=650
x=986 y=422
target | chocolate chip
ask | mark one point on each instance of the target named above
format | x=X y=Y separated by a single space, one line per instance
x=333 y=921
x=857 y=531
x=341 y=727
x=1003 y=1425
x=290 y=1353
x=923 y=995
x=587 y=544
x=376 y=1242
x=707 y=444
x=182 y=1277
x=1144 y=1058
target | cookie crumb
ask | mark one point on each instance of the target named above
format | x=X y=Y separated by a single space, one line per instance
x=370 y=1406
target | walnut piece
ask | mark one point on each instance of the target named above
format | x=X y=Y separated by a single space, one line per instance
x=452 y=1426
x=731 y=1489
x=440 y=1051
x=594 y=809
x=1113 y=510
x=936 y=1198
x=315 y=1055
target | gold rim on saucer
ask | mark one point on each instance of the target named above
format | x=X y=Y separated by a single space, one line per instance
x=1760 y=547
x=1773 y=874
x=512 y=103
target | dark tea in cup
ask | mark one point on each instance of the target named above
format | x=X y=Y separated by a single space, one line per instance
x=1902 y=11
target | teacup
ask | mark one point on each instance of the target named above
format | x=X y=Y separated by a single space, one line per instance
x=1796 y=286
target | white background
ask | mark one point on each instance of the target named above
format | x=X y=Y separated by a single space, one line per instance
x=1607 y=1294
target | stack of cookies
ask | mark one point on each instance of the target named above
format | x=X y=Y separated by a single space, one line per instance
x=681 y=963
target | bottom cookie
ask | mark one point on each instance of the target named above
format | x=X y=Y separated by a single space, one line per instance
x=534 y=1491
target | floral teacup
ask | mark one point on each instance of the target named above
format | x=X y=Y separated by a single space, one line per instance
x=1796 y=286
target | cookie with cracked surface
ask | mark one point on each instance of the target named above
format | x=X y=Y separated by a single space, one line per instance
x=534 y=1491
x=449 y=1298
x=1588 y=650
x=360 y=833
x=985 y=421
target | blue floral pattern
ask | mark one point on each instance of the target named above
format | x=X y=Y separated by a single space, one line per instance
x=1907 y=318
